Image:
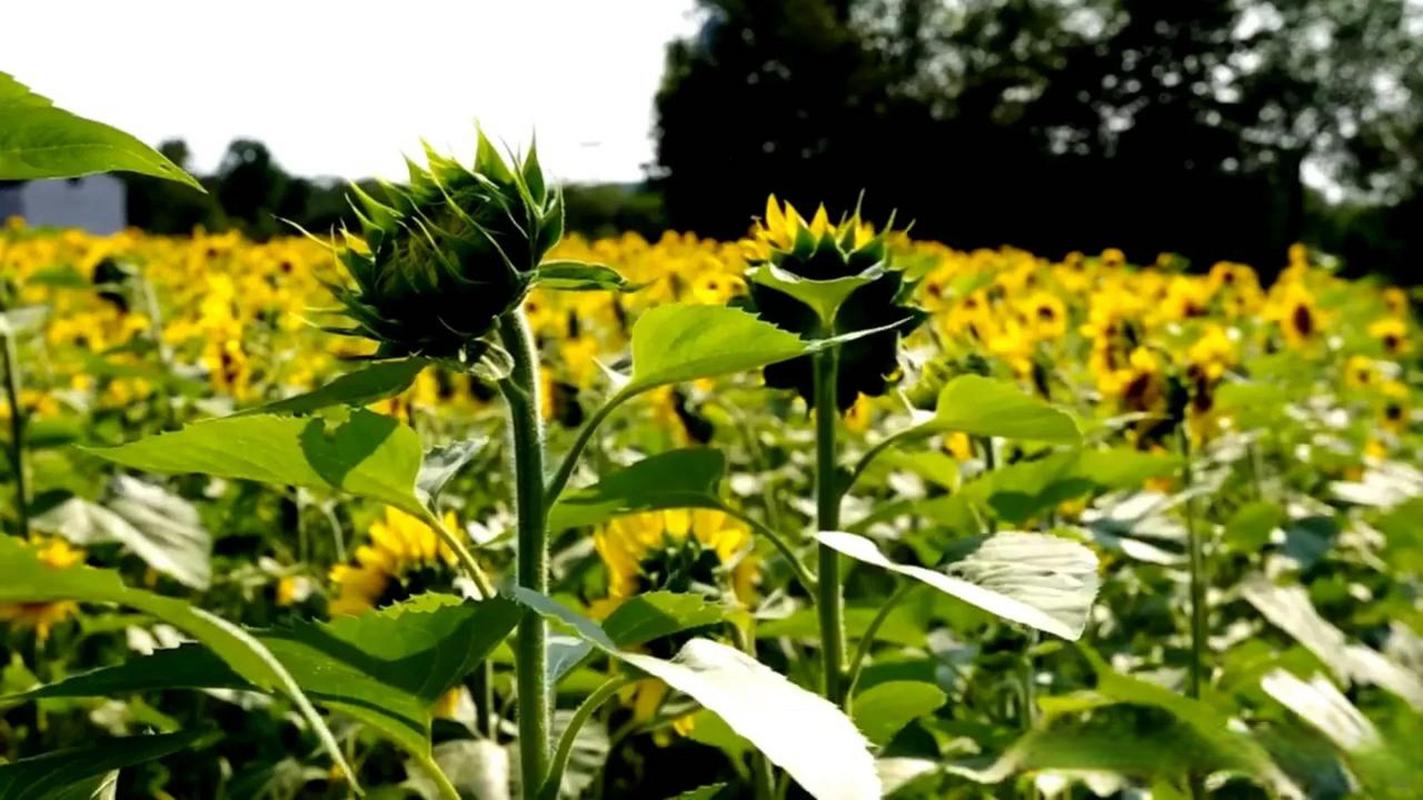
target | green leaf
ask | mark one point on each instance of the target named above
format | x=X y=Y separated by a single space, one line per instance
x=1210 y=725
x=645 y=617
x=26 y=579
x=386 y=668
x=580 y=276
x=367 y=454
x=1042 y=581
x=159 y=527
x=707 y=792
x=443 y=462
x=808 y=737
x=678 y=343
x=52 y=775
x=38 y=140
x=686 y=478
x=982 y=406
x=882 y=710
x=362 y=387
x=823 y=296
x=1249 y=528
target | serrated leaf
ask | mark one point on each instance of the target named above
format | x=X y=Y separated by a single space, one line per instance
x=980 y=406
x=823 y=296
x=811 y=739
x=53 y=775
x=679 y=343
x=653 y=615
x=26 y=579
x=367 y=454
x=360 y=387
x=687 y=478
x=884 y=709
x=38 y=140
x=1042 y=581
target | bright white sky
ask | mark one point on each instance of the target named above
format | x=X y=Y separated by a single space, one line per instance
x=347 y=88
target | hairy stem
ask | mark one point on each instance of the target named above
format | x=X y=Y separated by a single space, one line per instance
x=570 y=734
x=1197 y=676
x=830 y=603
x=17 y=431
x=521 y=393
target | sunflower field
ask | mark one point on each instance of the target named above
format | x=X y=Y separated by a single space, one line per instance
x=454 y=504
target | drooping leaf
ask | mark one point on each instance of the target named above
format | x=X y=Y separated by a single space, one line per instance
x=1042 y=581
x=1322 y=705
x=386 y=668
x=580 y=276
x=708 y=792
x=366 y=454
x=679 y=343
x=883 y=709
x=443 y=462
x=1036 y=580
x=26 y=579
x=54 y=775
x=812 y=740
x=653 y=615
x=38 y=140
x=823 y=296
x=982 y=406
x=159 y=527
x=687 y=478
x=361 y=387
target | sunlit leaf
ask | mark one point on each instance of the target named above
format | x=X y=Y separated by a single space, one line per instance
x=360 y=387
x=38 y=140
x=688 y=478
x=812 y=740
x=982 y=406
x=576 y=276
x=653 y=615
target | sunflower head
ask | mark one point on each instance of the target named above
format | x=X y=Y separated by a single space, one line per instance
x=404 y=557
x=699 y=550
x=819 y=279
x=445 y=256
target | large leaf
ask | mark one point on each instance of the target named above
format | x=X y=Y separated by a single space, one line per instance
x=361 y=387
x=26 y=579
x=982 y=406
x=808 y=737
x=688 y=478
x=653 y=615
x=580 y=276
x=883 y=709
x=365 y=454
x=38 y=140
x=386 y=668
x=1323 y=706
x=158 y=526
x=1045 y=582
x=55 y=775
x=678 y=343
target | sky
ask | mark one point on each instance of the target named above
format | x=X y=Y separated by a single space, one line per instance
x=346 y=89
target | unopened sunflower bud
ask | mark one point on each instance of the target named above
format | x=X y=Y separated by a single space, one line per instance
x=435 y=266
x=818 y=279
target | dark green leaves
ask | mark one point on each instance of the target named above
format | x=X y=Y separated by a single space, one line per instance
x=358 y=388
x=580 y=276
x=688 y=478
x=54 y=775
x=38 y=140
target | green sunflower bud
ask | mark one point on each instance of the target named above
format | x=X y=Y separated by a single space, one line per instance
x=818 y=279
x=435 y=266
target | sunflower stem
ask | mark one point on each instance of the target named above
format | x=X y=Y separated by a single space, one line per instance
x=830 y=603
x=526 y=438
x=1199 y=632
x=17 y=430
x=554 y=781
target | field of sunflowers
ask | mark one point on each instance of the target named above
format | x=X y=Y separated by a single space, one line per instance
x=838 y=514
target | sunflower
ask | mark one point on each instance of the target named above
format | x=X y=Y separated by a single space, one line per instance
x=1392 y=334
x=42 y=617
x=1293 y=308
x=1394 y=412
x=404 y=557
x=679 y=550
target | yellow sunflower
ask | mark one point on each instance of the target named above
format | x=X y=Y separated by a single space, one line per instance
x=403 y=557
x=680 y=550
x=1392 y=334
x=42 y=617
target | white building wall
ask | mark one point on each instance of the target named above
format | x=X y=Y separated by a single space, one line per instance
x=94 y=203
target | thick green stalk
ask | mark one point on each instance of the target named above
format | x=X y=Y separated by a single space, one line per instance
x=526 y=439
x=830 y=604
x=17 y=431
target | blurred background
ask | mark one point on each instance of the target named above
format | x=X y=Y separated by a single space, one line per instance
x=1216 y=129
